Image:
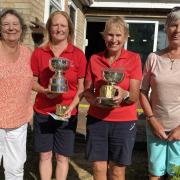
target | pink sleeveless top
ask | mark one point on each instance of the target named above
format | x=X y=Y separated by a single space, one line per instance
x=15 y=90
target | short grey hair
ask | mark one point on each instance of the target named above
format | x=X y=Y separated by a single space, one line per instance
x=173 y=16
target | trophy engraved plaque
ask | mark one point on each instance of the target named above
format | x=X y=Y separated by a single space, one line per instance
x=58 y=83
x=112 y=76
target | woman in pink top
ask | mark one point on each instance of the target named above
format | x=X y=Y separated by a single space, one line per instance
x=15 y=93
x=161 y=75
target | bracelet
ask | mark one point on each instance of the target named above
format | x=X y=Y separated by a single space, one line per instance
x=149 y=117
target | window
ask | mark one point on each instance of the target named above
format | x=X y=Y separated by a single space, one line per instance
x=162 y=41
x=51 y=6
x=55 y=5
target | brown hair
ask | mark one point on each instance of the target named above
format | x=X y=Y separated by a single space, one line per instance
x=4 y=12
x=118 y=21
x=70 y=25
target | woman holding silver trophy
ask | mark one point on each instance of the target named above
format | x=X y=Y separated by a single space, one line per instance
x=160 y=100
x=59 y=69
x=112 y=89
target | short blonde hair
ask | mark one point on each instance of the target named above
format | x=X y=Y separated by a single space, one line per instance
x=70 y=25
x=118 y=21
x=173 y=16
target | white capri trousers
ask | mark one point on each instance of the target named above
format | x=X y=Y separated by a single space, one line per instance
x=13 y=151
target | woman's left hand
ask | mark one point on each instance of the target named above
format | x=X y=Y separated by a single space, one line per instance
x=174 y=135
x=120 y=95
x=67 y=113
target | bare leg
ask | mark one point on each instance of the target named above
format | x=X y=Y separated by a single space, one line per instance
x=116 y=172
x=62 y=167
x=100 y=170
x=45 y=165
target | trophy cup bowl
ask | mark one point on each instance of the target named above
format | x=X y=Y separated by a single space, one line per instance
x=112 y=76
x=60 y=64
x=58 y=83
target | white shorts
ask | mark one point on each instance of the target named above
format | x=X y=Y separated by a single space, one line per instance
x=13 y=151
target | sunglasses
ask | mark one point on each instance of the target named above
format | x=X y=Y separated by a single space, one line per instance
x=177 y=8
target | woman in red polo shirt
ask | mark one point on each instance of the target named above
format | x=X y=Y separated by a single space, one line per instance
x=51 y=135
x=111 y=131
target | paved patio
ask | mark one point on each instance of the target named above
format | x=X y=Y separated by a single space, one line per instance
x=80 y=169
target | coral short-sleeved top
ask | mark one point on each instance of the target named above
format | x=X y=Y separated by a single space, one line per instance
x=15 y=90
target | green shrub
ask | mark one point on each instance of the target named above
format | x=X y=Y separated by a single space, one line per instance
x=176 y=170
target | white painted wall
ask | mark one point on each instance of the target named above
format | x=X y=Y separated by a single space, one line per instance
x=137 y=4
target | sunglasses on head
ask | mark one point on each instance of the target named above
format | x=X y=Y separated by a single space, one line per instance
x=175 y=9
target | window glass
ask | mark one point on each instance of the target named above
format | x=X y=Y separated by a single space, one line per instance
x=162 y=38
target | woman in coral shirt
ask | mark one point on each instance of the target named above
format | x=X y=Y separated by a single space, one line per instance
x=15 y=93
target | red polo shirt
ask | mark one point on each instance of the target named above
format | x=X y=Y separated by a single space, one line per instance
x=40 y=67
x=131 y=63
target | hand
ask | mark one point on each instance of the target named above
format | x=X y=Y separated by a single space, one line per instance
x=67 y=113
x=50 y=94
x=174 y=135
x=158 y=129
x=120 y=95
x=98 y=102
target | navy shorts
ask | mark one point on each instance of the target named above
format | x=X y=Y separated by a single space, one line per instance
x=54 y=135
x=110 y=141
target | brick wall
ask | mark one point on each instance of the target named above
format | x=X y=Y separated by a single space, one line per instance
x=35 y=8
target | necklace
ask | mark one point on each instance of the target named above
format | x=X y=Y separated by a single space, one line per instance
x=171 y=60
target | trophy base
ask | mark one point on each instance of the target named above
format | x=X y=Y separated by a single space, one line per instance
x=53 y=92
x=58 y=118
x=58 y=89
x=107 y=102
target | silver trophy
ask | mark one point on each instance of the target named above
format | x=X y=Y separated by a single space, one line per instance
x=58 y=83
x=112 y=76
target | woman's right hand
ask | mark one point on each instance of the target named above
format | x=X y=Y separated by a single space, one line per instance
x=157 y=128
x=40 y=89
x=97 y=102
x=49 y=94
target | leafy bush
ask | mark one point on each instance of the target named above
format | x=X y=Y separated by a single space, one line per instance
x=176 y=170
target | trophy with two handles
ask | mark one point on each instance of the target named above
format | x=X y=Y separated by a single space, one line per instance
x=112 y=76
x=58 y=83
